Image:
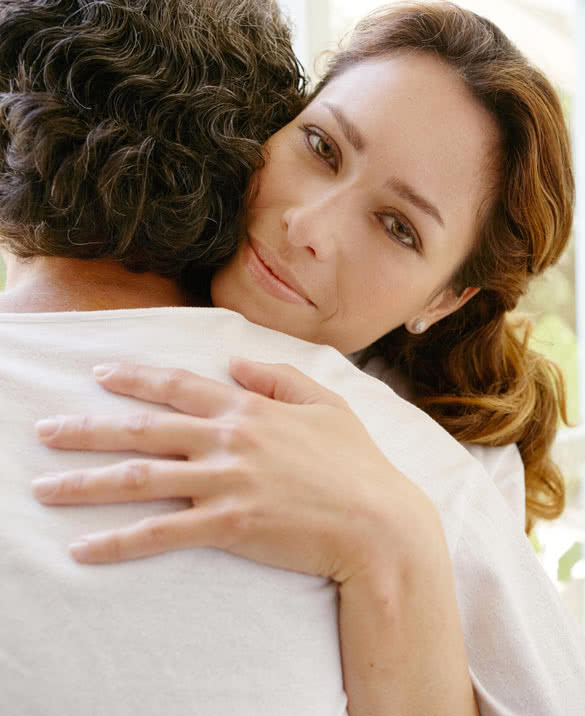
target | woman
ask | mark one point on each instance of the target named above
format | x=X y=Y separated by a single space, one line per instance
x=371 y=183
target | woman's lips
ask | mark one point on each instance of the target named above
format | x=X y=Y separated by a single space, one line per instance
x=269 y=281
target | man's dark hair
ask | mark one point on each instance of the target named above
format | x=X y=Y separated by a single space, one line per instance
x=129 y=129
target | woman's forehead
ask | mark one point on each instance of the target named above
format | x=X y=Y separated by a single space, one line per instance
x=415 y=96
x=412 y=114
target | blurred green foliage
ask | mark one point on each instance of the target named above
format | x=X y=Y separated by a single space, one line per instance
x=535 y=542
x=551 y=305
x=2 y=274
x=566 y=563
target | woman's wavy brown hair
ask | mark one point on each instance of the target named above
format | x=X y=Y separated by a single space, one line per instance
x=473 y=371
x=129 y=129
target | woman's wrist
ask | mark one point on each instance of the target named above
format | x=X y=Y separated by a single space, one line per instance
x=400 y=525
x=401 y=637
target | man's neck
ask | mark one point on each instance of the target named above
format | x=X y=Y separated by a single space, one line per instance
x=47 y=284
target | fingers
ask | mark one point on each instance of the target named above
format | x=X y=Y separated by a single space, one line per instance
x=152 y=433
x=183 y=390
x=130 y=481
x=171 y=434
x=282 y=382
x=191 y=393
x=205 y=526
x=148 y=537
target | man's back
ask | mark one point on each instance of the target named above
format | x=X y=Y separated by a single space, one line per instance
x=201 y=631
x=191 y=632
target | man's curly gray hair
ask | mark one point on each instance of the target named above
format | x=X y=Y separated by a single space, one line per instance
x=129 y=129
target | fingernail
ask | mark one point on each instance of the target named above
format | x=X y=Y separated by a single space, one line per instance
x=45 y=486
x=79 y=550
x=104 y=370
x=234 y=360
x=47 y=427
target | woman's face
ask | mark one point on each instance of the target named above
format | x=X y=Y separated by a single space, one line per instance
x=367 y=205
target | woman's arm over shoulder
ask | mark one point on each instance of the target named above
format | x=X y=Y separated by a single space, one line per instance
x=402 y=643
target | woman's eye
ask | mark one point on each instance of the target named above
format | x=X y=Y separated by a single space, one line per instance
x=400 y=231
x=321 y=147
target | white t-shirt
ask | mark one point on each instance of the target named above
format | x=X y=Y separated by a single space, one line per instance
x=204 y=632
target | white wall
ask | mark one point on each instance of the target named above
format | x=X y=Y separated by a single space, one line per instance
x=311 y=22
x=579 y=145
x=297 y=10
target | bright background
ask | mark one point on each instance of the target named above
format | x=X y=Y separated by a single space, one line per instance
x=552 y=34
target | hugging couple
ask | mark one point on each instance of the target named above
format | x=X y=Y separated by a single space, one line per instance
x=288 y=443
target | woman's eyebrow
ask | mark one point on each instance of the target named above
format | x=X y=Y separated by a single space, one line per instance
x=351 y=132
x=408 y=193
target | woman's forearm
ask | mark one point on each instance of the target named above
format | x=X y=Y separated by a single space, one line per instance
x=401 y=638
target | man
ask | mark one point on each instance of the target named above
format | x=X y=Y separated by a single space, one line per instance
x=105 y=178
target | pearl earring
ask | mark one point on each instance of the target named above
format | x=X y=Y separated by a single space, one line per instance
x=420 y=326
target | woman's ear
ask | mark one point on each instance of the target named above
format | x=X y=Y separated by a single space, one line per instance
x=443 y=304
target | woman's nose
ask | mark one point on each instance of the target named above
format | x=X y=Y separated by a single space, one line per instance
x=313 y=226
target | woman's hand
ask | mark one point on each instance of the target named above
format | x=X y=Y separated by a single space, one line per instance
x=279 y=470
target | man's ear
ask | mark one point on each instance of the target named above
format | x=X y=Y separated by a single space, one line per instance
x=445 y=303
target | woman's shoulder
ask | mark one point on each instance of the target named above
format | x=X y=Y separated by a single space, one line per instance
x=503 y=464
x=378 y=367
